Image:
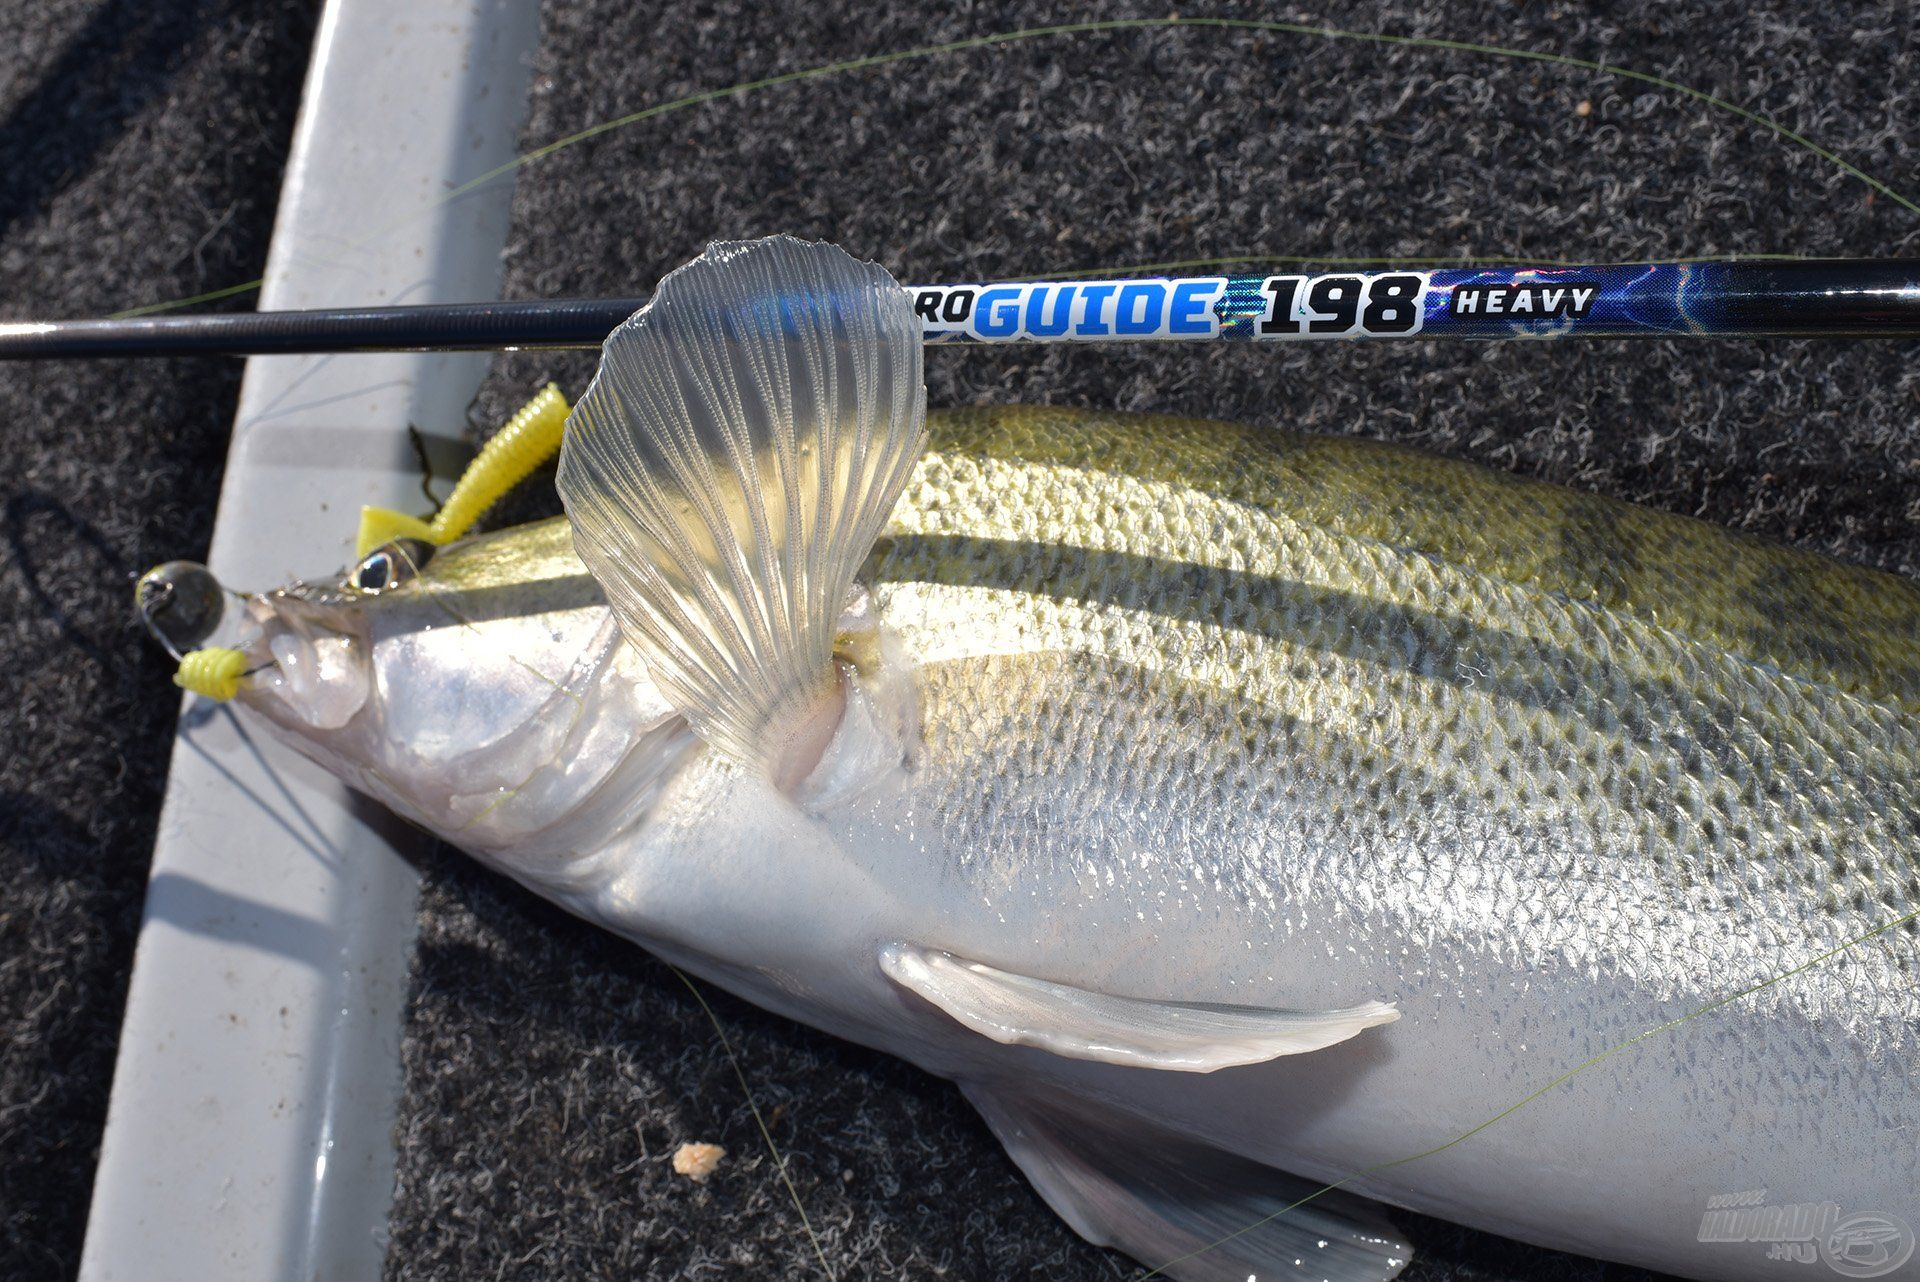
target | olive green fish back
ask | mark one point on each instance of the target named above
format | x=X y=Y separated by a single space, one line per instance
x=1805 y=614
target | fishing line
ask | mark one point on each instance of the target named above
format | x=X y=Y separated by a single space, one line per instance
x=1559 y=1081
x=759 y=1121
x=871 y=61
x=1455 y=260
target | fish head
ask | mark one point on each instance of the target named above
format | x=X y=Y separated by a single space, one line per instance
x=480 y=689
x=674 y=711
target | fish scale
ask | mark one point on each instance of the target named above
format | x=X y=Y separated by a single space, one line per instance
x=1731 y=759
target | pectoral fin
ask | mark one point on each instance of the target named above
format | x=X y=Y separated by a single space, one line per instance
x=1191 y=1212
x=730 y=468
x=1194 y=1037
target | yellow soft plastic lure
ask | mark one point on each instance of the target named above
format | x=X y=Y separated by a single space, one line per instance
x=214 y=672
x=530 y=438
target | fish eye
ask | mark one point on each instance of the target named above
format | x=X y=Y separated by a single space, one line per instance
x=389 y=565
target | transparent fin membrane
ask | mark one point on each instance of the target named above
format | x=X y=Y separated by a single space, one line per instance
x=730 y=468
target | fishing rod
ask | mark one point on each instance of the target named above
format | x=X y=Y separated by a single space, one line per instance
x=1802 y=298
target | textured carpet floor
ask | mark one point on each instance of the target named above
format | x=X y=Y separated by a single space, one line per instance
x=141 y=144
x=550 y=1070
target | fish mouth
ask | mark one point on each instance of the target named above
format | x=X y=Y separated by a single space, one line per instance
x=303 y=646
x=308 y=655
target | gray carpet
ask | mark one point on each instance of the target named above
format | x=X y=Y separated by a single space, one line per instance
x=550 y=1070
x=141 y=144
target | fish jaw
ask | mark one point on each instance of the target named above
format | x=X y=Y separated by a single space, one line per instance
x=490 y=700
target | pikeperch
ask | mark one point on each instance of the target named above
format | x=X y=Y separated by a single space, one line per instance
x=1227 y=811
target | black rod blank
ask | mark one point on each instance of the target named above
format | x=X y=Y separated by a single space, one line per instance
x=1744 y=299
x=447 y=327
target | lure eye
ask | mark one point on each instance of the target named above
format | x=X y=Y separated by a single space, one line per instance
x=390 y=565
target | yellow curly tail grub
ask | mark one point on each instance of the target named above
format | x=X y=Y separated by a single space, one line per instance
x=530 y=438
x=214 y=672
x=380 y=525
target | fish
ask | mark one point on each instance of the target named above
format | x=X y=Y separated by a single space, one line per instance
x=1263 y=830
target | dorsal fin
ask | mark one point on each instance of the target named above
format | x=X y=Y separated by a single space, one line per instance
x=731 y=466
